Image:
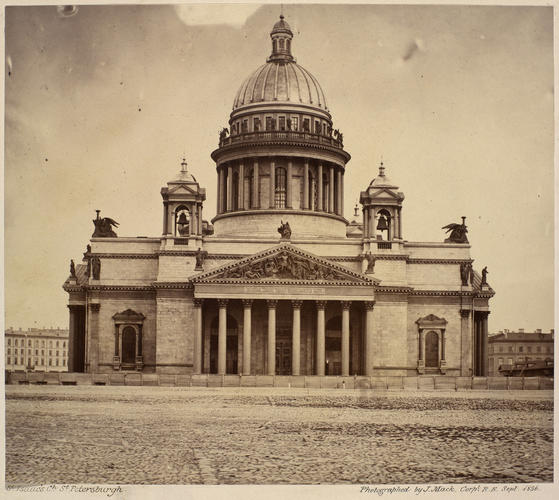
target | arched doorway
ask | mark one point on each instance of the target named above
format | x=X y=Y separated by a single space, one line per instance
x=431 y=350
x=128 y=345
x=333 y=346
x=232 y=345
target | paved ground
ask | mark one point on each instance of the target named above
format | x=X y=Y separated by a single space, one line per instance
x=142 y=435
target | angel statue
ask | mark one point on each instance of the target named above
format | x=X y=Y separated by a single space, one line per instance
x=457 y=232
x=103 y=227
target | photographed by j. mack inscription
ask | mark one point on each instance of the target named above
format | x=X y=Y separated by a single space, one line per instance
x=259 y=244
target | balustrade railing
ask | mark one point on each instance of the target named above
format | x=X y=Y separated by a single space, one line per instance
x=280 y=135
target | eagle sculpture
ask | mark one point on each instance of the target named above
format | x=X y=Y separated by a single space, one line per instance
x=457 y=232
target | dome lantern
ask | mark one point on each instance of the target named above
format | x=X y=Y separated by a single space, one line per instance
x=281 y=36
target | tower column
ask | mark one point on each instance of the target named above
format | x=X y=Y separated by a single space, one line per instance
x=345 y=338
x=229 y=187
x=342 y=192
x=339 y=192
x=165 y=216
x=320 y=336
x=365 y=222
x=331 y=191
x=296 y=338
x=247 y=328
x=289 y=193
x=369 y=305
x=222 y=337
x=241 y=201
x=272 y=336
x=319 y=182
x=200 y=225
x=306 y=185
x=372 y=228
x=272 y=187
x=197 y=362
x=256 y=187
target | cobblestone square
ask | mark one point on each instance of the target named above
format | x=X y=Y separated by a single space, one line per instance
x=158 y=435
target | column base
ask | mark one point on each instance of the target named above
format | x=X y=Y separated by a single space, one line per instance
x=116 y=363
x=442 y=366
x=139 y=363
x=421 y=367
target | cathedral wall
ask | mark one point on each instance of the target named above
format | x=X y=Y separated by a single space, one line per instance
x=128 y=271
x=420 y=250
x=176 y=267
x=390 y=272
x=175 y=325
x=443 y=307
x=437 y=275
x=111 y=305
x=125 y=245
x=390 y=333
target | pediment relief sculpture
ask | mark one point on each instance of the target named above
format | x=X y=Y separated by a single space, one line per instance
x=285 y=265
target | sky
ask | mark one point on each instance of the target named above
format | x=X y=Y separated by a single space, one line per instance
x=102 y=102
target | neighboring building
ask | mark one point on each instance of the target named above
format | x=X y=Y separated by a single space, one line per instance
x=508 y=348
x=324 y=296
x=36 y=349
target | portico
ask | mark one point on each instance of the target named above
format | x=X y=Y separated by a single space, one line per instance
x=295 y=306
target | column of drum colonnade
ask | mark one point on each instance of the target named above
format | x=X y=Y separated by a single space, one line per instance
x=225 y=186
x=296 y=336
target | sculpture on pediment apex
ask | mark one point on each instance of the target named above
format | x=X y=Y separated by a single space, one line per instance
x=104 y=227
x=457 y=232
x=370 y=263
x=284 y=230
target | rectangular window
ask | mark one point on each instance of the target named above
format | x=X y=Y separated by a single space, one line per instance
x=520 y=349
x=58 y=353
x=36 y=352
x=17 y=342
x=50 y=352
x=9 y=341
x=42 y=361
x=510 y=361
x=316 y=127
x=9 y=360
x=306 y=125
x=244 y=129
x=294 y=123
x=281 y=120
x=324 y=129
x=57 y=362
x=50 y=362
x=257 y=125
x=269 y=123
x=63 y=362
x=29 y=343
x=529 y=348
x=22 y=351
x=42 y=352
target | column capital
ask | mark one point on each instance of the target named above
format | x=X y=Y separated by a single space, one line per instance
x=296 y=304
x=74 y=307
x=222 y=302
x=346 y=304
x=197 y=302
x=465 y=313
x=369 y=305
x=272 y=303
x=320 y=304
x=247 y=303
x=483 y=314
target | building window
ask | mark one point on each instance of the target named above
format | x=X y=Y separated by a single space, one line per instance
x=57 y=362
x=22 y=351
x=182 y=222
x=316 y=127
x=9 y=341
x=9 y=360
x=257 y=124
x=281 y=122
x=42 y=343
x=50 y=362
x=58 y=353
x=36 y=352
x=270 y=123
x=42 y=352
x=281 y=43
x=244 y=126
x=29 y=343
x=306 y=125
x=42 y=361
x=64 y=344
x=281 y=187
x=63 y=362
x=294 y=123
x=16 y=342
x=520 y=348
x=50 y=352
x=529 y=348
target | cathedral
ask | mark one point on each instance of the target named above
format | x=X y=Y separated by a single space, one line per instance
x=279 y=282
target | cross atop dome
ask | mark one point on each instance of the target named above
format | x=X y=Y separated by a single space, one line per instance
x=281 y=36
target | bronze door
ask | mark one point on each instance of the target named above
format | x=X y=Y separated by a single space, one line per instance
x=283 y=357
x=431 y=350
x=129 y=345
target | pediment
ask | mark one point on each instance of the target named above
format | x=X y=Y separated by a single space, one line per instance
x=284 y=263
x=431 y=321
x=386 y=194
x=182 y=189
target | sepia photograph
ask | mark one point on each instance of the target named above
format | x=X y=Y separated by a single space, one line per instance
x=279 y=244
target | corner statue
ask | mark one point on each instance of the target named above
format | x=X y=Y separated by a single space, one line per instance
x=103 y=227
x=457 y=232
x=284 y=230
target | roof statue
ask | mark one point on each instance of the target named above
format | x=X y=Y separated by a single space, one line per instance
x=103 y=227
x=284 y=230
x=457 y=232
